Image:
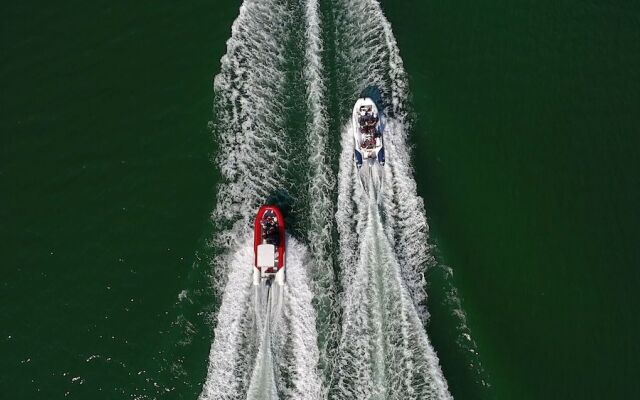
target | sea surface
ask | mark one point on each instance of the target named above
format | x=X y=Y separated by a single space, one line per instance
x=136 y=140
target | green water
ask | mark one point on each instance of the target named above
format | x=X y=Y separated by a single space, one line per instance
x=106 y=189
x=527 y=161
x=527 y=129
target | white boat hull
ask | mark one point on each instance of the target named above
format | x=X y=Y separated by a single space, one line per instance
x=367 y=136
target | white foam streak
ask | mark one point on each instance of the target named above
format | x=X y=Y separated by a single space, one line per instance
x=265 y=343
x=384 y=351
x=302 y=333
x=263 y=384
x=406 y=215
x=393 y=239
x=250 y=109
x=403 y=209
x=265 y=346
x=404 y=212
x=227 y=362
x=321 y=181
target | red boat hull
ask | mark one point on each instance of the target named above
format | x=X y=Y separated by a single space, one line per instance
x=257 y=236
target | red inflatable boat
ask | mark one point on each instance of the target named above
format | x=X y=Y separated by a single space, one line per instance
x=269 y=245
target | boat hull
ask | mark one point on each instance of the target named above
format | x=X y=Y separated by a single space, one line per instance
x=367 y=126
x=266 y=240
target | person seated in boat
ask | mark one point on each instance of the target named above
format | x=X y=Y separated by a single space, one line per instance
x=368 y=142
x=367 y=120
x=269 y=226
x=363 y=119
x=270 y=230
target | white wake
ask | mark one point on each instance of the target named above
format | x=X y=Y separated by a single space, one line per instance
x=265 y=343
x=265 y=339
x=270 y=346
x=384 y=351
x=250 y=128
x=321 y=185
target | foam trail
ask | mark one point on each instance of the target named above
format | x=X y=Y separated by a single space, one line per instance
x=265 y=346
x=404 y=210
x=263 y=384
x=250 y=107
x=384 y=351
x=299 y=316
x=406 y=216
x=265 y=342
x=232 y=350
x=321 y=182
x=368 y=55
